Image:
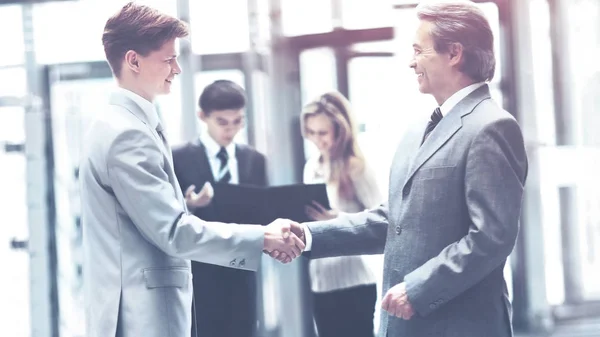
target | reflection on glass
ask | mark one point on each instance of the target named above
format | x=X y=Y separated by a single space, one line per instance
x=11 y=39
x=13 y=82
x=219 y=26
x=14 y=292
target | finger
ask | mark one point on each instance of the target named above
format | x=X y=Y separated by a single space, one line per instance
x=285 y=231
x=283 y=257
x=275 y=254
x=385 y=303
x=299 y=243
x=298 y=229
x=190 y=190
x=408 y=313
x=312 y=213
x=210 y=192
x=295 y=251
x=399 y=312
x=319 y=207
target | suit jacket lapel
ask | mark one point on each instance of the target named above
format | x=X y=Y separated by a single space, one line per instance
x=447 y=128
x=243 y=164
x=136 y=110
x=200 y=162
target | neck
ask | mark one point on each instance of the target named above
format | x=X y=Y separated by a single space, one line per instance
x=135 y=87
x=452 y=87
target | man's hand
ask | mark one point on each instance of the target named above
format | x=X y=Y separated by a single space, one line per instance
x=202 y=199
x=396 y=302
x=317 y=212
x=298 y=230
x=282 y=236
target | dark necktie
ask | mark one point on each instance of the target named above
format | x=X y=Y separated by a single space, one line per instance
x=224 y=176
x=161 y=133
x=436 y=117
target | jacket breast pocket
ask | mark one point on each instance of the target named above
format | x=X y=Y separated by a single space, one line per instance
x=436 y=172
x=175 y=277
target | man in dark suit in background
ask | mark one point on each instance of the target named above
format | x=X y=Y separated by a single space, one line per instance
x=225 y=297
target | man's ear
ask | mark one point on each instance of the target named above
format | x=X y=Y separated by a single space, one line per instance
x=455 y=53
x=132 y=61
x=202 y=115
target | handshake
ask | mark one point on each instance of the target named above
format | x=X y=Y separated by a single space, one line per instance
x=284 y=240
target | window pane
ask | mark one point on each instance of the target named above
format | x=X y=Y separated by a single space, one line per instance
x=77 y=35
x=11 y=24
x=169 y=110
x=360 y=14
x=13 y=82
x=205 y=78
x=306 y=17
x=318 y=75
x=219 y=26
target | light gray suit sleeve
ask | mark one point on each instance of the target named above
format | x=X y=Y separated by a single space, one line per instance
x=142 y=187
x=495 y=175
x=361 y=233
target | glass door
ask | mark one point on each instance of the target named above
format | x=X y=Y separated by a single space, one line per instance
x=15 y=293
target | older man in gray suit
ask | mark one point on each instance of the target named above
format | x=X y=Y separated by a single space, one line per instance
x=138 y=236
x=456 y=186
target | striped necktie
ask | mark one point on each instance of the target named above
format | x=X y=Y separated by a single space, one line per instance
x=224 y=176
x=436 y=117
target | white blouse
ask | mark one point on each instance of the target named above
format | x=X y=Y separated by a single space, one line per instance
x=334 y=273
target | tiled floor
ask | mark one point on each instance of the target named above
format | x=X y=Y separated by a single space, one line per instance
x=584 y=328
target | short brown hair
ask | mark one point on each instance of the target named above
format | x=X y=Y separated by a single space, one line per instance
x=139 y=28
x=465 y=23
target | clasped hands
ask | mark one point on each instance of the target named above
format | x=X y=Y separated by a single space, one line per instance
x=284 y=240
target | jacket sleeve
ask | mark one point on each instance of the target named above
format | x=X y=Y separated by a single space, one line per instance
x=135 y=167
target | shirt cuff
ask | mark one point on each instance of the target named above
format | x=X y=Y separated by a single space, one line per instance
x=308 y=237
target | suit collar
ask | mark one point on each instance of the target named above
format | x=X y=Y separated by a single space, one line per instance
x=137 y=105
x=458 y=96
x=212 y=147
x=447 y=127
x=241 y=156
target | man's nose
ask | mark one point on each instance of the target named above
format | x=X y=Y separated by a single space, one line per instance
x=412 y=63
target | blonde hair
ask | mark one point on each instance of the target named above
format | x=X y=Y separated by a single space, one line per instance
x=345 y=158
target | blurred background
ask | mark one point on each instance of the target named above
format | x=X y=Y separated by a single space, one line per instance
x=53 y=79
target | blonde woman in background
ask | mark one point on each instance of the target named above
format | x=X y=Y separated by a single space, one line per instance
x=344 y=288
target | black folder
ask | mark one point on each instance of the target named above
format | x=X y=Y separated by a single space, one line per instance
x=248 y=204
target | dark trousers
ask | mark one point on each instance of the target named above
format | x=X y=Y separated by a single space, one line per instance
x=347 y=312
x=225 y=301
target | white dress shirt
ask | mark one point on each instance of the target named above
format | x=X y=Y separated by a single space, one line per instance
x=212 y=149
x=147 y=107
x=335 y=273
x=458 y=96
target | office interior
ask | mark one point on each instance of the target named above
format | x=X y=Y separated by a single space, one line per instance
x=54 y=79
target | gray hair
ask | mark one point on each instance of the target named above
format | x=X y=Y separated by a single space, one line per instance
x=464 y=23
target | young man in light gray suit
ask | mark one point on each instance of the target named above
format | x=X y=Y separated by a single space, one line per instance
x=138 y=236
x=456 y=186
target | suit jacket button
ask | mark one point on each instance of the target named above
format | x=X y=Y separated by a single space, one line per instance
x=432 y=306
x=398 y=230
x=232 y=263
x=243 y=262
